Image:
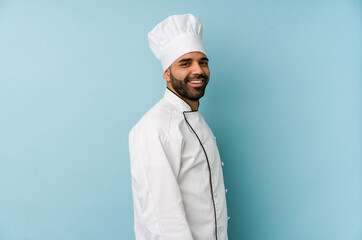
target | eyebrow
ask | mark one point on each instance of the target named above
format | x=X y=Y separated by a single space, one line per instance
x=185 y=60
x=190 y=59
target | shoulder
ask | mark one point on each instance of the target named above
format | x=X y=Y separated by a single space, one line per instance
x=156 y=122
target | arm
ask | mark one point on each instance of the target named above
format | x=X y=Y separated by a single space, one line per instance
x=156 y=194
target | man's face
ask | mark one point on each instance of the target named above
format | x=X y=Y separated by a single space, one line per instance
x=188 y=75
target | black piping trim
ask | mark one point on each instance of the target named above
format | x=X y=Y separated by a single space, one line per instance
x=208 y=165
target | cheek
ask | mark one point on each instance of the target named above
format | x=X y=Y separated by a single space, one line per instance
x=206 y=69
x=182 y=74
x=207 y=72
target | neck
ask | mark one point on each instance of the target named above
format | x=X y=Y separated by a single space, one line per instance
x=193 y=104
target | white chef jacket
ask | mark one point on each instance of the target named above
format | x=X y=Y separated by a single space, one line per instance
x=177 y=180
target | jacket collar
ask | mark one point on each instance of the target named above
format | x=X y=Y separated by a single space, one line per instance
x=178 y=102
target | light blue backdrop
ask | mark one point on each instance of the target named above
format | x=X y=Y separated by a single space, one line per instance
x=284 y=102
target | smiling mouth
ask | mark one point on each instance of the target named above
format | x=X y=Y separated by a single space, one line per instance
x=196 y=82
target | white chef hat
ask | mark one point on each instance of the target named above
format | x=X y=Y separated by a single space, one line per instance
x=174 y=37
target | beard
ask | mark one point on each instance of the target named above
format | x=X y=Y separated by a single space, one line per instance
x=186 y=91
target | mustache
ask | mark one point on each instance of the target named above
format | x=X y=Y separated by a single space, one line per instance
x=197 y=77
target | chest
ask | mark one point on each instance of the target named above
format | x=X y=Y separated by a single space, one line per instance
x=199 y=149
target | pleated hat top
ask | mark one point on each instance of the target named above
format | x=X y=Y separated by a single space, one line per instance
x=174 y=37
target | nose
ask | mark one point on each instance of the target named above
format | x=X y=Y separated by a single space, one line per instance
x=197 y=69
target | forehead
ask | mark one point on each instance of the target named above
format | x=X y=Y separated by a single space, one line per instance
x=191 y=55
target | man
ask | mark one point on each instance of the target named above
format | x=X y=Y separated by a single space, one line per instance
x=177 y=181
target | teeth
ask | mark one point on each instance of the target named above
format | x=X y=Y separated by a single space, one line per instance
x=196 y=81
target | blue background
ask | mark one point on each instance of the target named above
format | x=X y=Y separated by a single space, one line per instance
x=284 y=101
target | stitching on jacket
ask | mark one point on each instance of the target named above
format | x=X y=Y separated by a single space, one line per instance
x=153 y=201
x=169 y=122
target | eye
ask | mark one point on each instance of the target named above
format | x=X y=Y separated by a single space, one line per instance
x=184 y=64
x=204 y=63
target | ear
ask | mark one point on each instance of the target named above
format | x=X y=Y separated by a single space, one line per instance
x=166 y=75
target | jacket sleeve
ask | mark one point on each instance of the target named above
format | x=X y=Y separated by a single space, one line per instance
x=158 y=207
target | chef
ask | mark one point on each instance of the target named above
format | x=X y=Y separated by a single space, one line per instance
x=177 y=180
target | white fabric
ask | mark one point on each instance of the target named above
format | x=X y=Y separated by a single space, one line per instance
x=170 y=175
x=174 y=37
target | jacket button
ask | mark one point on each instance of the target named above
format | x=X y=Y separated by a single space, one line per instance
x=228 y=218
x=222 y=163
x=226 y=190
